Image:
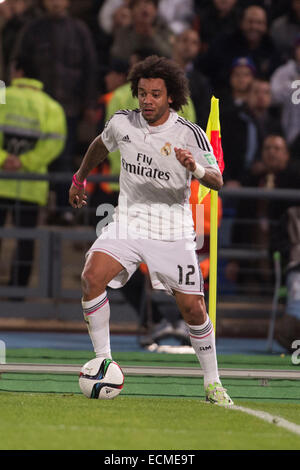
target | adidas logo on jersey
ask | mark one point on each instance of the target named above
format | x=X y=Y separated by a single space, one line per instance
x=126 y=139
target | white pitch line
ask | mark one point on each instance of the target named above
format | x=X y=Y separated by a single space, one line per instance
x=154 y=370
x=268 y=417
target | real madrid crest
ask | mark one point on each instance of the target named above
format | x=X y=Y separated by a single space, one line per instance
x=166 y=149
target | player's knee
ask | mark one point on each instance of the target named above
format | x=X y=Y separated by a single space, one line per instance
x=195 y=311
x=86 y=281
x=91 y=283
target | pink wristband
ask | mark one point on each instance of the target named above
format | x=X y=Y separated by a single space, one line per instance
x=77 y=183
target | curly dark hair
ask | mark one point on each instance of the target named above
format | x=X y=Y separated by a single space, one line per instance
x=166 y=69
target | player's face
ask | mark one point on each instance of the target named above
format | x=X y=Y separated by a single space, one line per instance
x=154 y=101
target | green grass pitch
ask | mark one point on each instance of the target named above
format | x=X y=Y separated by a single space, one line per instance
x=69 y=422
x=48 y=412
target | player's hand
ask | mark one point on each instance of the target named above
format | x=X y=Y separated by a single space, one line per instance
x=185 y=158
x=77 y=197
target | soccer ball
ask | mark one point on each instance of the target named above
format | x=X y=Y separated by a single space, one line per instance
x=101 y=379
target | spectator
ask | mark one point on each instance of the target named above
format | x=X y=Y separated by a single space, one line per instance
x=85 y=11
x=111 y=17
x=234 y=128
x=178 y=15
x=295 y=148
x=23 y=11
x=285 y=29
x=121 y=17
x=32 y=135
x=146 y=31
x=274 y=8
x=187 y=46
x=260 y=106
x=275 y=169
x=116 y=75
x=218 y=17
x=117 y=96
x=283 y=93
x=287 y=328
x=114 y=14
x=242 y=75
x=64 y=59
x=109 y=11
x=6 y=14
x=113 y=76
x=251 y=39
x=243 y=131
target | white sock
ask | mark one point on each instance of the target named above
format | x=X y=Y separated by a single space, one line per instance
x=96 y=313
x=203 y=341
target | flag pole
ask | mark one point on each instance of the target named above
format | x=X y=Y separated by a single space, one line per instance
x=213 y=258
x=213 y=132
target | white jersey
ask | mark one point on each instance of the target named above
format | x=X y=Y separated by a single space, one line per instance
x=154 y=186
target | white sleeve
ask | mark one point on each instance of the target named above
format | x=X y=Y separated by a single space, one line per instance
x=108 y=135
x=201 y=149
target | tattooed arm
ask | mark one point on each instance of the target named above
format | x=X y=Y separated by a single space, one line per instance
x=96 y=153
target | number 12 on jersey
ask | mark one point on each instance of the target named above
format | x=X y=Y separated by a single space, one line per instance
x=189 y=271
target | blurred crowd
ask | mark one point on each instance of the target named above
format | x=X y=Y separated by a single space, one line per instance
x=246 y=53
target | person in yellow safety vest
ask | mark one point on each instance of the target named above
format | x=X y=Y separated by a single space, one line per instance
x=32 y=134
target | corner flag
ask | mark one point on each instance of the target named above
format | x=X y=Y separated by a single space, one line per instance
x=213 y=132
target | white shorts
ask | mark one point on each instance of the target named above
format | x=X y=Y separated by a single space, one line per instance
x=172 y=265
